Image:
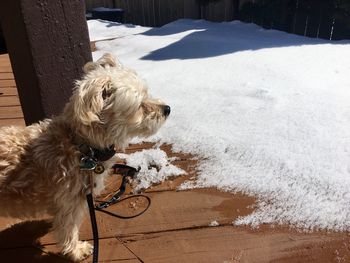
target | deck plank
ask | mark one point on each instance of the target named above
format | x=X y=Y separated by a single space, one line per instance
x=111 y=250
x=233 y=244
x=169 y=211
x=10 y=107
x=9 y=101
x=11 y=112
x=8 y=91
x=173 y=210
x=5 y=69
x=7 y=83
x=6 y=75
x=12 y=122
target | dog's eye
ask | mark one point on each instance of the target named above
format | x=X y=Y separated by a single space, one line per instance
x=106 y=94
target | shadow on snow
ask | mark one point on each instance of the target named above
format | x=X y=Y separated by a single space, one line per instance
x=210 y=39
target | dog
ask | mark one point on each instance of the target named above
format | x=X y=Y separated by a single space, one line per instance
x=41 y=165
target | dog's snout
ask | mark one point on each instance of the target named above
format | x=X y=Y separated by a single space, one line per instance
x=166 y=110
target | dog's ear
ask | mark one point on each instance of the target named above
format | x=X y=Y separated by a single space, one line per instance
x=89 y=99
x=107 y=90
x=107 y=60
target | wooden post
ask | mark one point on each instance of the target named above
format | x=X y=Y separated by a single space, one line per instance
x=48 y=44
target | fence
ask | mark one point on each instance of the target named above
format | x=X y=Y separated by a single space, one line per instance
x=160 y=12
x=329 y=19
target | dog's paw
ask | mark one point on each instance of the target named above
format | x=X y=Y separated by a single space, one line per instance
x=82 y=251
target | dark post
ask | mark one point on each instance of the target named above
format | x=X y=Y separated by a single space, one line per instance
x=48 y=44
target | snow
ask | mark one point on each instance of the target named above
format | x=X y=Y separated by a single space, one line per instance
x=101 y=29
x=266 y=112
x=155 y=167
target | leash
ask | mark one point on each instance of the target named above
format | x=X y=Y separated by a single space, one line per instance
x=130 y=172
x=90 y=201
x=92 y=160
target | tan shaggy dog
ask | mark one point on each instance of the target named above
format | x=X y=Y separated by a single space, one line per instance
x=40 y=164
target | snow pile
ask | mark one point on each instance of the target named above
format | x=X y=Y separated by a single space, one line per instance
x=155 y=167
x=268 y=113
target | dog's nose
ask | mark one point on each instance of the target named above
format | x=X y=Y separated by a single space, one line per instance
x=166 y=110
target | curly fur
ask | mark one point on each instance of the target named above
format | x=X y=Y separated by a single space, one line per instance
x=39 y=164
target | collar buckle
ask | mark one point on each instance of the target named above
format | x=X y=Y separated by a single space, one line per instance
x=89 y=164
x=92 y=158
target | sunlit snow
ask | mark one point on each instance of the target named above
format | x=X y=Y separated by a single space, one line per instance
x=266 y=112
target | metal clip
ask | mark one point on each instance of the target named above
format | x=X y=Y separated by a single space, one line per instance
x=87 y=163
x=99 y=168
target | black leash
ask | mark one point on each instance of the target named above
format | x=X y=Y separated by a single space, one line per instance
x=90 y=201
x=124 y=199
x=129 y=172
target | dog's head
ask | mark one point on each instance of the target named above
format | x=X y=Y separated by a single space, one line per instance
x=111 y=105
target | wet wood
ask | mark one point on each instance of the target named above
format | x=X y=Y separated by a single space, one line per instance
x=232 y=244
x=169 y=211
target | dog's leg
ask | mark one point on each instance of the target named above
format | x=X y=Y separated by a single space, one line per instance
x=66 y=226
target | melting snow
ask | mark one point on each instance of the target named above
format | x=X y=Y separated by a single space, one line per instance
x=154 y=167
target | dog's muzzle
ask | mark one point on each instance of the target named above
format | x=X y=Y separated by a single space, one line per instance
x=166 y=110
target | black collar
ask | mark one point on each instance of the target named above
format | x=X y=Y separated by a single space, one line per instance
x=98 y=155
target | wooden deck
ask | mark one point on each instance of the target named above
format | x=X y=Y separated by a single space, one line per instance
x=10 y=107
x=176 y=228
